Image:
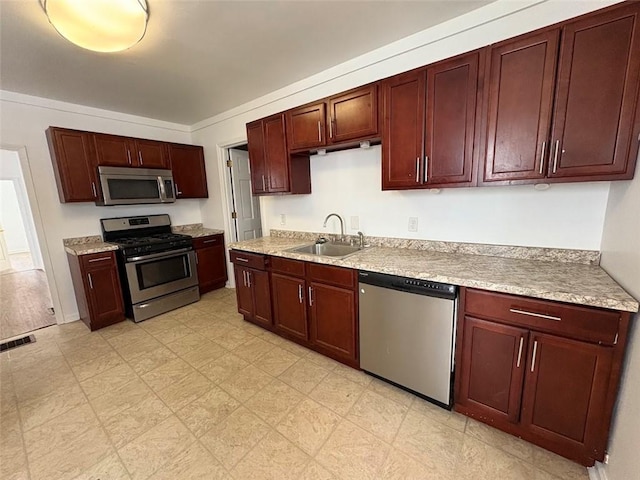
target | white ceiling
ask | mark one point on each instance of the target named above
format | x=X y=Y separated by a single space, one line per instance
x=199 y=58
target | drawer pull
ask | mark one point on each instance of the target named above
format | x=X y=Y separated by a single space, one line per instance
x=520 y=352
x=240 y=259
x=532 y=314
x=210 y=241
x=99 y=259
x=533 y=357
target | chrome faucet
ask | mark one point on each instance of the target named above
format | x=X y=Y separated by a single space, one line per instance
x=341 y=224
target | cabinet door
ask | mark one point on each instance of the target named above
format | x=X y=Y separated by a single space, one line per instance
x=402 y=130
x=74 y=164
x=212 y=267
x=333 y=320
x=103 y=291
x=151 y=154
x=565 y=390
x=452 y=94
x=276 y=154
x=261 y=291
x=354 y=115
x=306 y=127
x=492 y=370
x=189 y=174
x=289 y=306
x=521 y=82
x=114 y=151
x=244 y=296
x=257 y=161
x=598 y=75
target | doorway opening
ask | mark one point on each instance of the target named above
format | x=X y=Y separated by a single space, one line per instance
x=25 y=297
x=243 y=206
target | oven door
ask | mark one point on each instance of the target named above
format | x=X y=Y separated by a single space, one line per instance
x=158 y=274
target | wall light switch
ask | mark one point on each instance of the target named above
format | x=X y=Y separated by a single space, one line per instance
x=355 y=223
x=283 y=219
x=413 y=224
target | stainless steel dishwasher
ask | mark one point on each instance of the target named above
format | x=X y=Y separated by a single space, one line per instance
x=407 y=329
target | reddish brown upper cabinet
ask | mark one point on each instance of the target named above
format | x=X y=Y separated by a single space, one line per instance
x=518 y=108
x=116 y=151
x=429 y=124
x=562 y=102
x=545 y=371
x=211 y=261
x=74 y=164
x=273 y=168
x=596 y=118
x=97 y=287
x=189 y=174
x=306 y=127
x=353 y=115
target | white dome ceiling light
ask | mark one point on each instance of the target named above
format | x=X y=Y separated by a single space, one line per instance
x=99 y=25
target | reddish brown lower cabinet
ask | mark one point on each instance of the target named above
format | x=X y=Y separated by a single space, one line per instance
x=211 y=261
x=545 y=371
x=253 y=289
x=289 y=306
x=97 y=288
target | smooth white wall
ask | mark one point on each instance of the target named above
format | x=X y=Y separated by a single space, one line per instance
x=23 y=121
x=349 y=183
x=10 y=219
x=621 y=259
x=565 y=216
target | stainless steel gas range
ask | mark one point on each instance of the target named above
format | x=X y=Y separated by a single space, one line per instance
x=157 y=267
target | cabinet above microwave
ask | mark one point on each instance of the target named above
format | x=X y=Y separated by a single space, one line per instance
x=76 y=156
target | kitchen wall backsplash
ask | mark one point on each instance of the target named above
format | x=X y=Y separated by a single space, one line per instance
x=586 y=257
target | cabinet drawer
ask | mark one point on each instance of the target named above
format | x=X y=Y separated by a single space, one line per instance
x=287 y=266
x=95 y=260
x=202 y=242
x=582 y=323
x=251 y=260
x=342 y=277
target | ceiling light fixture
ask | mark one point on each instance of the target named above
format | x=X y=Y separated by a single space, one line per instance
x=99 y=25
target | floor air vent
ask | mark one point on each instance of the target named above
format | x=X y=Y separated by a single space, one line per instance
x=18 y=342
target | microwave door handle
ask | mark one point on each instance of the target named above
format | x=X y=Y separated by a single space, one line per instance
x=163 y=191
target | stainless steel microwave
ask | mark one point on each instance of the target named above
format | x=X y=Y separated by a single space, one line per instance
x=133 y=186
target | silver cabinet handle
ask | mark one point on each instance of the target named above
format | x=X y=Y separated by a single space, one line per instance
x=240 y=259
x=532 y=314
x=520 y=351
x=300 y=293
x=214 y=240
x=99 y=259
x=319 y=131
x=330 y=127
x=542 y=155
x=555 y=157
x=418 y=170
x=90 y=281
x=426 y=168
x=264 y=188
x=249 y=279
x=129 y=156
x=93 y=188
x=176 y=189
x=140 y=157
x=310 y=296
x=533 y=357
x=196 y=257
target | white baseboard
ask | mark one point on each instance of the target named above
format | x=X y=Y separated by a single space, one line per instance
x=597 y=472
x=72 y=317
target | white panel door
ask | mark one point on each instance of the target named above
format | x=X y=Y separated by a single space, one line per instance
x=247 y=206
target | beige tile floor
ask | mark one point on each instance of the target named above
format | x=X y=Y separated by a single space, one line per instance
x=201 y=394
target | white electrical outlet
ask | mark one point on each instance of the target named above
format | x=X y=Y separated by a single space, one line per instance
x=413 y=224
x=355 y=223
x=283 y=219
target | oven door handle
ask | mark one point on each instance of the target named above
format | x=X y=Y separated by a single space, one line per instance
x=172 y=253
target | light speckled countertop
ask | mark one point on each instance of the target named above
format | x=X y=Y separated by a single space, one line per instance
x=87 y=245
x=566 y=282
x=195 y=230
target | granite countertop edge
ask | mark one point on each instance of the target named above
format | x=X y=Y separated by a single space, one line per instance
x=411 y=263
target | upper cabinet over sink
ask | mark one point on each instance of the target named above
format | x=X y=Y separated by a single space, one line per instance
x=563 y=102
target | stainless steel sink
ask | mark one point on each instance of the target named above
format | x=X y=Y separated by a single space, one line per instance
x=334 y=250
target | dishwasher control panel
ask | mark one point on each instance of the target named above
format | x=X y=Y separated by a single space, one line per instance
x=411 y=285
